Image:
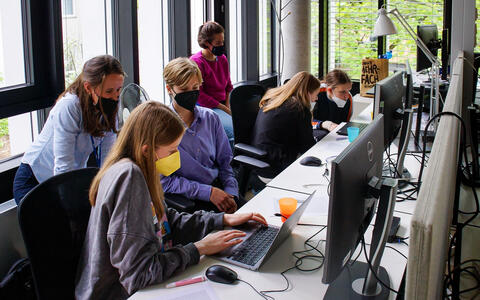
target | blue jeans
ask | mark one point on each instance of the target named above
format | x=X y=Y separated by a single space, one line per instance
x=226 y=120
x=24 y=181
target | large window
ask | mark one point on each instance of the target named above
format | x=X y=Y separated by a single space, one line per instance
x=265 y=36
x=314 y=37
x=12 y=59
x=153 y=47
x=16 y=133
x=401 y=44
x=235 y=40
x=198 y=15
x=86 y=34
x=350 y=26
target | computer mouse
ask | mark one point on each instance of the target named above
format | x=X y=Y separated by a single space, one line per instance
x=311 y=161
x=221 y=274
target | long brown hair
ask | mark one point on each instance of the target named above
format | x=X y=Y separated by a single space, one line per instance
x=335 y=78
x=152 y=124
x=96 y=122
x=296 y=88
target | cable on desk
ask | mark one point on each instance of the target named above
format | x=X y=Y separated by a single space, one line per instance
x=262 y=295
x=373 y=272
x=299 y=262
x=387 y=246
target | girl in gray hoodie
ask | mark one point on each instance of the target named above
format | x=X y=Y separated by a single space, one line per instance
x=133 y=240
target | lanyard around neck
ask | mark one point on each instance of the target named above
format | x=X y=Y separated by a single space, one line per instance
x=97 y=151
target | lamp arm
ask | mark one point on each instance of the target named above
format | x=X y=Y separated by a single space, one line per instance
x=415 y=37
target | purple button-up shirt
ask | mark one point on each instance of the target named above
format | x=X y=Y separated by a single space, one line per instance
x=205 y=154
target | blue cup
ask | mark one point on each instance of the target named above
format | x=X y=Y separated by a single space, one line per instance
x=352 y=133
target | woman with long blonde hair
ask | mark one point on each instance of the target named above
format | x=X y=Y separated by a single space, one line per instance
x=133 y=240
x=283 y=127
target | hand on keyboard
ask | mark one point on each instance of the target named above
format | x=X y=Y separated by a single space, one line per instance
x=238 y=219
x=218 y=241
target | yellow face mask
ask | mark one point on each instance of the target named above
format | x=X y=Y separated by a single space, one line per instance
x=169 y=164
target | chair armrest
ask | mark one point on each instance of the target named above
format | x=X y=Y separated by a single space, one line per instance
x=179 y=202
x=250 y=150
x=251 y=162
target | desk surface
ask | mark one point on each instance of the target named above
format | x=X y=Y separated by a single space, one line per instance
x=306 y=179
x=296 y=181
x=305 y=285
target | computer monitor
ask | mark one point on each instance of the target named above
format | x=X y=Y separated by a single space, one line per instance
x=351 y=209
x=356 y=189
x=429 y=35
x=388 y=100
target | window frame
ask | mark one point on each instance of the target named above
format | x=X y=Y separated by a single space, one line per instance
x=43 y=53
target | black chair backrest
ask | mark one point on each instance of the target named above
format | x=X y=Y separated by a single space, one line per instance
x=244 y=100
x=53 y=219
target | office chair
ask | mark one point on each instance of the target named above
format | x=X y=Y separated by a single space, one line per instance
x=244 y=101
x=53 y=219
x=180 y=203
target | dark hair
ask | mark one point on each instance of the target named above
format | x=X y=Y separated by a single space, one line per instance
x=94 y=71
x=207 y=31
x=336 y=77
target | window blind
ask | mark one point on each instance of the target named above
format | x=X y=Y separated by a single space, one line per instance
x=350 y=24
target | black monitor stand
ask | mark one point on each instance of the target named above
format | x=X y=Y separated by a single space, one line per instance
x=357 y=281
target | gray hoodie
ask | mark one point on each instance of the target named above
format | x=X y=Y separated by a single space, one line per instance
x=121 y=253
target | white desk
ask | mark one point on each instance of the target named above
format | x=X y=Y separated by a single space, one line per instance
x=305 y=179
x=293 y=182
x=305 y=285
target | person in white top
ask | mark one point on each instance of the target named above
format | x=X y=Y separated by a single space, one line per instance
x=82 y=121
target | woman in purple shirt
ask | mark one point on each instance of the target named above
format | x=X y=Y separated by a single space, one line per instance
x=216 y=87
x=205 y=173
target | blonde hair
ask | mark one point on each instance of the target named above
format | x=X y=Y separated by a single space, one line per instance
x=335 y=78
x=296 y=88
x=152 y=124
x=179 y=71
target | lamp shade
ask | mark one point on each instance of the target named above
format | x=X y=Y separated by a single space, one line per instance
x=384 y=25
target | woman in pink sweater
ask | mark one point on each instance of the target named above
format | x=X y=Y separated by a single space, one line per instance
x=216 y=86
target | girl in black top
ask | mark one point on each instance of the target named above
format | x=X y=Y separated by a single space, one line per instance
x=284 y=122
x=334 y=104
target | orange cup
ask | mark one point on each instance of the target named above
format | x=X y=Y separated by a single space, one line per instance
x=287 y=207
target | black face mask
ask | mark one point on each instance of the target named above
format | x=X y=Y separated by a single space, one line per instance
x=187 y=100
x=109 y=105
x=219 y=50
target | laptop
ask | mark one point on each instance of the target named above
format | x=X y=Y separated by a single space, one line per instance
x=261 y=241
x=343 y=130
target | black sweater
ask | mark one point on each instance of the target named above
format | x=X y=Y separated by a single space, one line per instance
x=284 y=132
x=327 y=110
